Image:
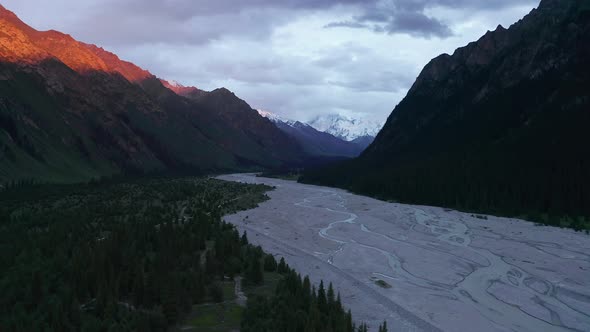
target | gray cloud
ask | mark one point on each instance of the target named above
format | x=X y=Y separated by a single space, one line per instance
x=125 y=22
x=346 y=24
x=187 y=21
x=298 y=58
x=409 y=17
x=415 y=23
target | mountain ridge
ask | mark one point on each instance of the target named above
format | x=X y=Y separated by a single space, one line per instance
x=71 y=111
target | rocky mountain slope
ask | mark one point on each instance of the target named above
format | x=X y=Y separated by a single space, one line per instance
x=499 y=126
x=315 y=142
x=71 y=111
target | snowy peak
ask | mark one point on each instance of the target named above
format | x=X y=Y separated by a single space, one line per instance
x=346 y=128
x=316 y=142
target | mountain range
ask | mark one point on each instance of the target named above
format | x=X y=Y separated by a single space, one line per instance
x=71 y=111
x=319 y=143
x=499 y=126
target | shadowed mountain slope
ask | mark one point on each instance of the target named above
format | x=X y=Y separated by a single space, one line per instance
x=499 y=126
x=71 y=111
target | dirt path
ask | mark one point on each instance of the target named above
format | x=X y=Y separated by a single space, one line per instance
x=241 y=298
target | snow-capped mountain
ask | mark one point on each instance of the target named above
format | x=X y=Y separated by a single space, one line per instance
x=315 y=142
x=346 y=128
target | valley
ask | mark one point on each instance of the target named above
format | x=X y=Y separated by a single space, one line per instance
x=425 y=268
x=114 y=215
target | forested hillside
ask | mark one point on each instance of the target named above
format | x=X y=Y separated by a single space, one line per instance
x=144 y=255
x=500 y=126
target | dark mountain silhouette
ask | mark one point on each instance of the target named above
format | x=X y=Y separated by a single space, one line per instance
x=499 y=126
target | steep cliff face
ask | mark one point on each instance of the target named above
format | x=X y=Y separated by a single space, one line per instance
x=72 y=111
x=499 y=125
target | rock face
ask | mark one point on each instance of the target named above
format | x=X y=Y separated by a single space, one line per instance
x=500 y=125
x=72 y=111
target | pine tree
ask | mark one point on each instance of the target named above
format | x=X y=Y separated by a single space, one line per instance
x=363 y=328
x=170 y=305
x=254 y=272
x=138 y=286
x=349 y=324
x=216 y=292
x=322 y=301
x=244 y=239
x=282 y=268
x=330 y=297
x=270 y=264
x=36 y=289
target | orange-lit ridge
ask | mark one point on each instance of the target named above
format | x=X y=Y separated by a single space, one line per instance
x=23 y=45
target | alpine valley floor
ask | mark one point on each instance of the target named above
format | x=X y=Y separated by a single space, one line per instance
x=425 y=268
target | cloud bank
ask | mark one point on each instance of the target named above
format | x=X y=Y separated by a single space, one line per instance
x=297 y=58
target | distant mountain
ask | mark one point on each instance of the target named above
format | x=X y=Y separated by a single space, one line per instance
x=71 y=111
x=344 y=127
x=499 y=126
x=314 y=142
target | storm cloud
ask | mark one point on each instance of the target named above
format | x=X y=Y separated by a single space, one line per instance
x=297 y=58
x=410 y=16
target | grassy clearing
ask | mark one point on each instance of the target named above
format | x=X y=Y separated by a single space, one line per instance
x=227 y=316
x=267 y=288
x=220 y=317
x=229 y=293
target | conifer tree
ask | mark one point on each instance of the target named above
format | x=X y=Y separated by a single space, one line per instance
x=244 y=239
x=282 y=268
x=270 y=264
x=349 y=324
x=322 y=301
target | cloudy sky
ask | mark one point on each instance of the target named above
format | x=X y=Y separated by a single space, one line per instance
x=296 y=58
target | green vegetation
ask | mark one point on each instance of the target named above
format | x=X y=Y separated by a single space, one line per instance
x=283 y=175
x=146 y=255
x=296 y=306
x=219 y=317
x=118 y=256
